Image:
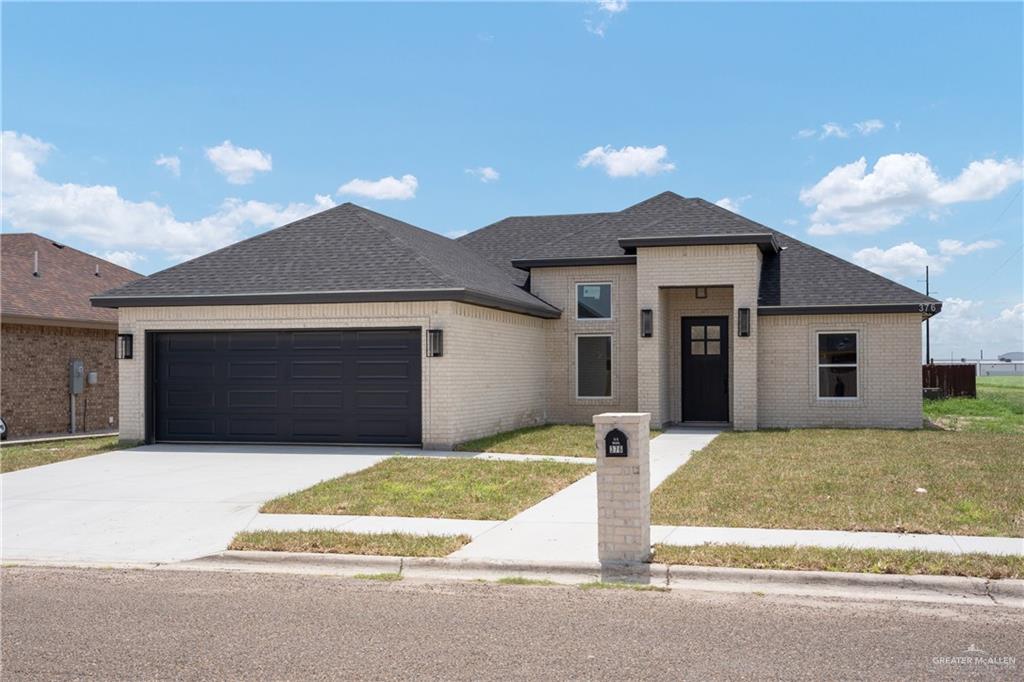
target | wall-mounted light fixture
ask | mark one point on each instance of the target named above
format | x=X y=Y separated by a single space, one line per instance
x=647 y=323
x=700 y=292
x=435 y=343
x=124 y=346
x=743 y=323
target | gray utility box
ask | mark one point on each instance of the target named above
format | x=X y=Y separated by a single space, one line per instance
x=77 y=377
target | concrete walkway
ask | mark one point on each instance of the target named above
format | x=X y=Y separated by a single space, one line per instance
x=563 y=527
x=776 y=537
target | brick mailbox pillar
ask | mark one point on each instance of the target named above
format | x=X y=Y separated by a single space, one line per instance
x=623 y=441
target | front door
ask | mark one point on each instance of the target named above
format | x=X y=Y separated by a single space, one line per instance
x=705 y=369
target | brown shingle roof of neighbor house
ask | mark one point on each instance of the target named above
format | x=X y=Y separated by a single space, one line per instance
x=67 y=278
x=346 y=253
x=795 y=277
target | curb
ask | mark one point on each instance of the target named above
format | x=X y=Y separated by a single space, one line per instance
x=817 y=583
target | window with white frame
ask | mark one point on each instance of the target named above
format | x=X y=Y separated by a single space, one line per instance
x=594 y=301
x=593 y=366
x=837 y=365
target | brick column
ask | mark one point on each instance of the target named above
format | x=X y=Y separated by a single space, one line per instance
x=624 y=489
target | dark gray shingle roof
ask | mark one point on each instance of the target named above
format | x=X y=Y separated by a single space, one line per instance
x=800 y=275
x=344 y=253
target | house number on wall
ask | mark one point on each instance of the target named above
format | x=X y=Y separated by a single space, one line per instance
x=616 y=444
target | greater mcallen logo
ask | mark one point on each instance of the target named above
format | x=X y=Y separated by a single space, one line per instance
x=975 y=657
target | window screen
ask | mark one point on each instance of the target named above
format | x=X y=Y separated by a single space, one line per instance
x=837 y=365
x=594 y=366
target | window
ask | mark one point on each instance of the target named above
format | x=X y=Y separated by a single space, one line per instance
x=706 y=339
x=593 y=366
x=837 y=364
x=593 y=301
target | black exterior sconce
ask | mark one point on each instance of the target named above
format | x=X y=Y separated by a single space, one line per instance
x=125 y=346
x=743 y=323
x=647 y=323
x=435 y=343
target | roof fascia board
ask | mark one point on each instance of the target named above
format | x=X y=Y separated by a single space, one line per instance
x=56 y=322
x=765 y=241
x=926 y=309
x=366 y=296
x=529 y=263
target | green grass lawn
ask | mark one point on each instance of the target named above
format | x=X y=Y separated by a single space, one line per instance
x=903 y=562
x=449 y=488
x=15 y=457
x=337 y=542
x=860 y=479
x=566 y=440
x=999 y=408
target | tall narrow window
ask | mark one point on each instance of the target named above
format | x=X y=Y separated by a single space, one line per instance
x=593 y=366
x=593 y=301
x=837 y=364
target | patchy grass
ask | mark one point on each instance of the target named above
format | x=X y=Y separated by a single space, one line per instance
x=902 y=562
x=999 y=408
x=638 y=587
x=382 y=577
x=520 y=580
x=435 y=487
x=851 y=480
x=15 y=457
x=339 y=542
x=565 y=440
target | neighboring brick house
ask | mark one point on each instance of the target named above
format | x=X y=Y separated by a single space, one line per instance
x=350 y=326
x=46 y=321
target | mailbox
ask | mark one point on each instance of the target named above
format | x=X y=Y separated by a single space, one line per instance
x=616 y=444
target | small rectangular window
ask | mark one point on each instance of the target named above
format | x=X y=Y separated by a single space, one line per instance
x=593 y=301
x=837 y=364
x=593 y=366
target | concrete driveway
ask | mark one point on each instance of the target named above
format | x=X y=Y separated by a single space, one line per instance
x=159 y=503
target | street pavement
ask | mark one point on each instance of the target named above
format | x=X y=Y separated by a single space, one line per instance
x=118 y=624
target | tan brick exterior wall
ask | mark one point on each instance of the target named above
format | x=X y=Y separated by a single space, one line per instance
x=557 y=286
x=738 y=266
x=34 y=378
x=889 y=372
x=491 y=377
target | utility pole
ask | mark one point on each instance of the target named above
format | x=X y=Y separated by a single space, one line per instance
x=927 y=321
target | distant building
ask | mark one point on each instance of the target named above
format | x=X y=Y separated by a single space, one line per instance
x=48 y=321
x=1016 y=356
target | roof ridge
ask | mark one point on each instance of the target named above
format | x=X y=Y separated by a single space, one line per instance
x=429 y=264
x=704 y=203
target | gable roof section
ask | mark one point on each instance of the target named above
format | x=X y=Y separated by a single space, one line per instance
x=344 y=254
x=795 y=276
x=511 y=238
x=67 y=278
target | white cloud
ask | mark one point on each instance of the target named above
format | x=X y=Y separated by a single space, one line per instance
x=965 y=327
x=909 y=259
x=99 y=216
x=731 y=204
x=628 y=161
x=869 y=127
x=1014 y=314
x=605 y=10
x=126 y=259
x=903 y=260
x=851 y=199
x=485 y=173
x=238 y=164
x=171 y=163
x=955 y=247
x=833 y=129
x=385 y=188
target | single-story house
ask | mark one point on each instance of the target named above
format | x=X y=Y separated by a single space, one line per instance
x=350 y=326
x=46 y=322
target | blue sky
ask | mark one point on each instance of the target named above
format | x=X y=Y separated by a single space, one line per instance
x=262 y=113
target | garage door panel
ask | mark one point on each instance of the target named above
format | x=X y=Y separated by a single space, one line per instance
x=347 y=386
